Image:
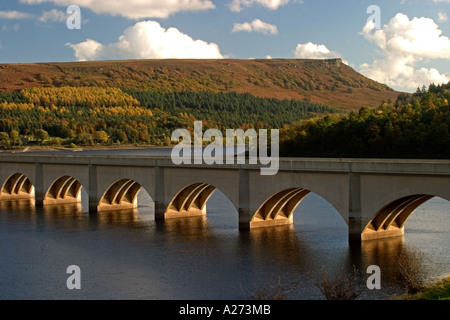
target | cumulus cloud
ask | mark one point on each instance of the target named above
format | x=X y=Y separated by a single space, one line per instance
x=256 y=26
x=135 y=9
x=405 y=43
x=238 y=5
x=87 y=50
x=148 y=40
x=315 y=51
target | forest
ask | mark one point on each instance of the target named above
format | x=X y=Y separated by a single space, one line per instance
x=231 y=110
x=86 y=116
x=415 y=126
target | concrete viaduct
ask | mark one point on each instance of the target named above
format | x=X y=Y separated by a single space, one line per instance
x=374 y=197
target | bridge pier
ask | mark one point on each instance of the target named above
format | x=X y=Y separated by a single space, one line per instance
x=355 y=225
x=159 y=199
x=244 y=210
x=39 y=193
x=94 y=198
x=160 y=210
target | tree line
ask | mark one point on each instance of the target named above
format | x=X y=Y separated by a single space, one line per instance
x=414 y=126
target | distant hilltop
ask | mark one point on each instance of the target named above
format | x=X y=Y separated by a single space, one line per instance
x=330 y=82
x=336 y=62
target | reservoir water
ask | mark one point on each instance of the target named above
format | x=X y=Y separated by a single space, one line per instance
x=127 y=255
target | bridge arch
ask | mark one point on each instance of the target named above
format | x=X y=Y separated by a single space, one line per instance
x=274 y=200
x=64 y=190
x=17 y=186
x=279 y=208
x=190 y=201
x=120 y=195
x=391 y=219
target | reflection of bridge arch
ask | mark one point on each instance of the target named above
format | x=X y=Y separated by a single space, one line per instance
x=120 y=195
x=391 y=219
x=17 y=186
x=279 y=208
x=190 y=201
x=64 y=190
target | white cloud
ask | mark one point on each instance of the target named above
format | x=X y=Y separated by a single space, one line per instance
x=315 y=51
x=46 y=16
x=148 y=40
x=87 y=50
x=237 y=5
x=6 y=28
x=53 y=15
x=135 y=9
x=256 y=26
x=15 y=15
x=442 y=17
x=404 y=43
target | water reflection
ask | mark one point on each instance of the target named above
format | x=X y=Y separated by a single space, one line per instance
x=280 y=244
x=194 y=228
x=65 y=216
x=23 y=211
x=22 y=205
x=380 y=252
x=208 y=257
x=125 y=218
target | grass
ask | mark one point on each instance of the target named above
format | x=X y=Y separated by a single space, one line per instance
x=437 y=291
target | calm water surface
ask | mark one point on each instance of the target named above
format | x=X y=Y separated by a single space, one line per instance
x=127 y=255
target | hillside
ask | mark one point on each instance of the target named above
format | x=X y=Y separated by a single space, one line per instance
x=327 y=82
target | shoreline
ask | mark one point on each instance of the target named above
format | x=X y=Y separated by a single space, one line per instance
x=35 y=149
x=439 y=290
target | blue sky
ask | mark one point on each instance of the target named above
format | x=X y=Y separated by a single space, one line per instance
x=408 y=48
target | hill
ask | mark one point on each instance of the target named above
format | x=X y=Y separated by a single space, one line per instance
x=327 y=82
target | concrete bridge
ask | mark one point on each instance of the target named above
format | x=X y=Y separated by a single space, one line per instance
x=374 y=197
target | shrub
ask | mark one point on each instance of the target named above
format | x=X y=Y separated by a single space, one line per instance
x=5 y=142
x=343 y=287
x=277 y=290
x=53 y=142
x=41 y=135
x=409 y=270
